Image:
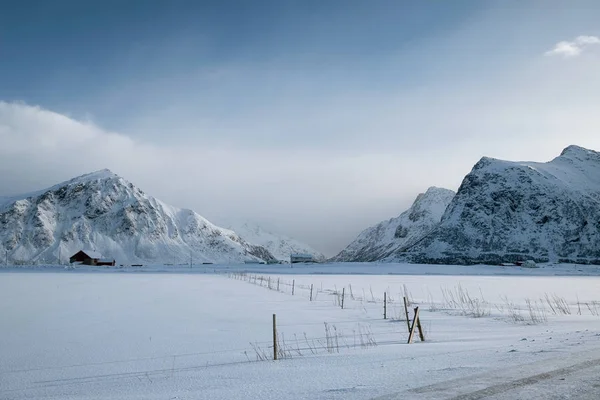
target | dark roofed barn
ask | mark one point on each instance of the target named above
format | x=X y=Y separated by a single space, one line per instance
x=87 y=257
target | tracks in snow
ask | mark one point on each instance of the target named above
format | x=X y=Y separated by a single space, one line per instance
x=573 y=375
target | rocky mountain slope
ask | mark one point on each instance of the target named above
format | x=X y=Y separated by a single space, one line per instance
x=510 y=211
x=387 y=237
x=101 y=211
x=279 y=246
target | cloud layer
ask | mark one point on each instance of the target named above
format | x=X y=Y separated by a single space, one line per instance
x=309 y=195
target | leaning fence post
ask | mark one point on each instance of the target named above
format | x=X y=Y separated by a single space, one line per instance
x=274 y=337
x=343 y=294
x=406 y=312
x=311 y=290
x=421 y=335
x=293 y=284
x=384 y=305
x=412 y=329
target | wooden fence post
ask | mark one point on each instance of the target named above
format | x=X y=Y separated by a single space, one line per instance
x=293 y=284
x=278 y=284
x=421 y=335
x=384 y=305
x=311 y=290
x=406 y=312
x=414 y=323
x=274 y=337
x=343 y=294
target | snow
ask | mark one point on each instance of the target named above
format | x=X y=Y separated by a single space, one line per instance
x=280 y=246
x=387 y=237
x=576 y=169
x=103 y=174
x=104 y=211
x=80 y=334
x=365 y=268
x=93 y=254
x=509 y=211
x=503 y=211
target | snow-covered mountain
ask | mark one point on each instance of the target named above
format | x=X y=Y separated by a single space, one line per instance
x=510 y=211
x=382 y=240
x=279 y=246
x=103 y=212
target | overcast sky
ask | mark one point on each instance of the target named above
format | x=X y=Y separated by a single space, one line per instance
x=315 y=119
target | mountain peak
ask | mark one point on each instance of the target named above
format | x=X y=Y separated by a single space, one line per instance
x=387 y=237
x=507 y=211
x=579 y=153
x=96 y=175
x=432 y=195
x=103 y=211
x=438 y=190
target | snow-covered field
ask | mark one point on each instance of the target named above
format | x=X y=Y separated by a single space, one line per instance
x=156 y=335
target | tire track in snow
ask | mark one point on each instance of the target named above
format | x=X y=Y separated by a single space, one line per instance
x=532 y=380
x=498 y=382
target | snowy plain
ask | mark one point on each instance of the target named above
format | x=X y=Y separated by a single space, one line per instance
x=166 y=332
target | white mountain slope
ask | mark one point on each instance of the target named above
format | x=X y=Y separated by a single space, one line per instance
x=279 y=246
x=383 y=239
x=101 y=211
x=511 y=211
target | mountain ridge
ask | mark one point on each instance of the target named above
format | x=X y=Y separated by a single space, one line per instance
x=104 y=211
x=383 y=239
x=506 y=211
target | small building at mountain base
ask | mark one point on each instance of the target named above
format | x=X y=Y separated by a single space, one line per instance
x=301 y=258
x=106 y=262
x=87 y=257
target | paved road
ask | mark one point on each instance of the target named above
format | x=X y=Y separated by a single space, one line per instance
x=571 y=376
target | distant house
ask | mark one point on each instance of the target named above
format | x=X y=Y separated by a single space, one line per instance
x=106 y=261
x=301 y=258
x=88 y=257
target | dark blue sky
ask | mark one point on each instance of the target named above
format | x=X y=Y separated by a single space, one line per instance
x=67 y=55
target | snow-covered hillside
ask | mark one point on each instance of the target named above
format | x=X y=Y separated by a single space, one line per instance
x=101 y=211
x=387 y=237
x=510 y=211
x=279 y=246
